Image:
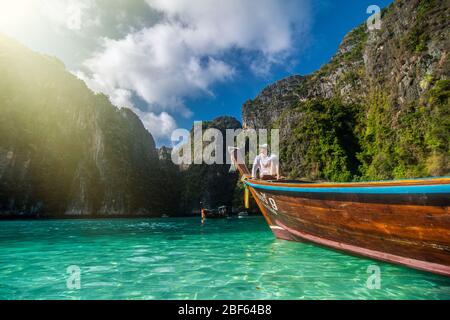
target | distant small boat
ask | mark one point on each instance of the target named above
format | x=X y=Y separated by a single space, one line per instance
x=243 y=214
x=220 y=213
x=405 y=222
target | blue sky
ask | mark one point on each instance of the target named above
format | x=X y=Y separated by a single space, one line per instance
x=179 y=61
x=331 y=21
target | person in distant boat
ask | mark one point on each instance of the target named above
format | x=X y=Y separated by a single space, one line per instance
x=267 y=165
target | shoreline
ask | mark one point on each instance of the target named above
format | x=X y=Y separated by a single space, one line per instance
x=86 y=217
x=101 y=217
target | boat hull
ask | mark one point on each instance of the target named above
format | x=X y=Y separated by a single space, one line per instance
x=406 y=223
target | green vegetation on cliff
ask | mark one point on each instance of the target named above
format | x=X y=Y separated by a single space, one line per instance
x=65 y=150
x=415 y=143
x=326 y=132
x=344 y=142
x=379 y=109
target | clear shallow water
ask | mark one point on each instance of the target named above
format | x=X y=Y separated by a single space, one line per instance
x=180 y=259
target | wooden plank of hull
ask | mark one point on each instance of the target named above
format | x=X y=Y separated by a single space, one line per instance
x=389 y=183
x=417 y=236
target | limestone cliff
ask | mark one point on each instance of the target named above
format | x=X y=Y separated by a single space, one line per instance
x=211 y=185
x=378 y=110
x=65 y=151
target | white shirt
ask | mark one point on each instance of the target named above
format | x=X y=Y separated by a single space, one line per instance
x=267 y=165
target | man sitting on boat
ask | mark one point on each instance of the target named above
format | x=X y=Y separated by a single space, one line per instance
x=267 y=165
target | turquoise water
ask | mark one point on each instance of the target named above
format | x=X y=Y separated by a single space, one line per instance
x=180 y=259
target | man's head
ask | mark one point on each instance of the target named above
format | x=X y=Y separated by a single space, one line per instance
x=264 y=149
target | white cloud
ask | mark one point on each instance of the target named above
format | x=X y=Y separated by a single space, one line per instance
x=69 y=14
x=161 y=126
x=157 y=66
x=187 y=52
x=118 y=96
x=262 y=25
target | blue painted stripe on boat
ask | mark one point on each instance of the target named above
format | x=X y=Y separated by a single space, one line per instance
x=442 y=188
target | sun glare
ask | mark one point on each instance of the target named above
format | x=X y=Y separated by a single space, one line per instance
x=18 y=14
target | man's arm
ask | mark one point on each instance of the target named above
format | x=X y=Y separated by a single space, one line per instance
x=276 y=166
x=255 y=167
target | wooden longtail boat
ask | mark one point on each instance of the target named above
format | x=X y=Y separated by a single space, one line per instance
x=405 y=222
x=220 y=213
x=214 y=214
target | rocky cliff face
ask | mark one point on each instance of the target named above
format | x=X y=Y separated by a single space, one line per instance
x=67 y=151
x=211 y=185
x=378 y=110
